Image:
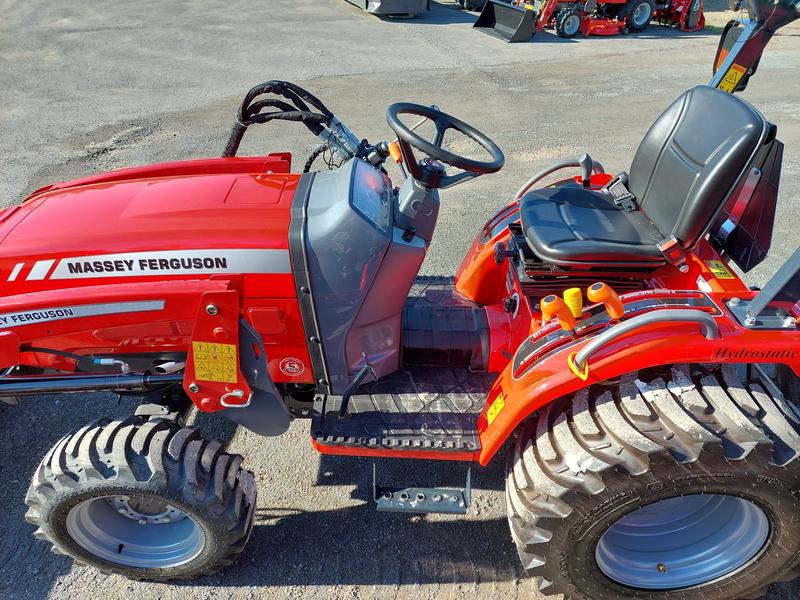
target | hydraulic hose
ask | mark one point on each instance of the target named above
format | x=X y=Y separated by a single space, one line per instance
x=296 y=108
x=69 y=384
x=596 y=168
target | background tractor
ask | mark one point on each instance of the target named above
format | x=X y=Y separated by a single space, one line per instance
x=518 y=20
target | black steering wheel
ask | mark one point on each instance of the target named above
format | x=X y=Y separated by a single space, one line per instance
x=428 y=172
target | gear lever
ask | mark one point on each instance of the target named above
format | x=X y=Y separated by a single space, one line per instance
x=586 y=164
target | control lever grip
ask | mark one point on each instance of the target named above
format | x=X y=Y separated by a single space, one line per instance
x=586 y=164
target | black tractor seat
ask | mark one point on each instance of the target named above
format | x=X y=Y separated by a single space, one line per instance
x=687 y=165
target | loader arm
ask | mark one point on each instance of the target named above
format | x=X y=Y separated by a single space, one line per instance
x=766 y=16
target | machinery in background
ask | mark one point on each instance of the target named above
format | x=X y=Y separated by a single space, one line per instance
x=518 y=21
x=393 y=8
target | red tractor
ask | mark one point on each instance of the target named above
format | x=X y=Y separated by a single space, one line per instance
x=647 y=398
x=518 y=20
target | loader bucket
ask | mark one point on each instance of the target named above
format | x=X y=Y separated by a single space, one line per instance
x=507 y=22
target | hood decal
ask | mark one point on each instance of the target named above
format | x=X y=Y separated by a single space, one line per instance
x=159 y=262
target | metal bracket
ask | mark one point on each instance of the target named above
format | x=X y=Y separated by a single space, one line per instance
x=671 y=250
x=768 y=318
x=742 y=200
x=354 y=385
x=422 y=500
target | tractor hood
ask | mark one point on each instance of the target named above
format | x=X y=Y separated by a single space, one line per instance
x=178 y=226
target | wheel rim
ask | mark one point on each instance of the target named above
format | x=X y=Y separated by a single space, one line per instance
x=642 y=14
x=683 y=542
x=135 y=531
x=572 y=24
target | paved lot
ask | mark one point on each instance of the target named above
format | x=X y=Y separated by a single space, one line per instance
x=87 y=88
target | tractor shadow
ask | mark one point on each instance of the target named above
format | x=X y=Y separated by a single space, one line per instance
x=358 y=545
x=29 y=570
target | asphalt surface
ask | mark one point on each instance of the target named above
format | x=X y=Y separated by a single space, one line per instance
x=93 y=86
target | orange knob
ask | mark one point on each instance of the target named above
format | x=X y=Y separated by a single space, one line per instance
x=553 y=306
x=600 y=292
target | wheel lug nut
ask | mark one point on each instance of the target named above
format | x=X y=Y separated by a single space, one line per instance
x=662 y=568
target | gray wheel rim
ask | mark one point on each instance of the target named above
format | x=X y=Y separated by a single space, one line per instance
x=572 y=24
x=642 y=14
x=683 y=542
x=135 y=531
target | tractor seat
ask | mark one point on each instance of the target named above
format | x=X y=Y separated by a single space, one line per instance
x=688 y=163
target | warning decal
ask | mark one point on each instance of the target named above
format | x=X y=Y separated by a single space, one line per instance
x=214 y=362
x=495 y=408
x=720 y=270
x=732 y=78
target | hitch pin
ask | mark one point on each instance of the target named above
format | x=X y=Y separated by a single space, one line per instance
x=237 y=393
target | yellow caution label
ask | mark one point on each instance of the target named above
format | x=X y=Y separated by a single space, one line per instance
x=495 y=408
x=720 y=270
x=732 y=78
x=215 y=362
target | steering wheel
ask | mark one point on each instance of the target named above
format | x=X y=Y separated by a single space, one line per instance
x=430 y=171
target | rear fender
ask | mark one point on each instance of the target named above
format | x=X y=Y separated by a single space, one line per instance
x=480 y=278
x=515 y=396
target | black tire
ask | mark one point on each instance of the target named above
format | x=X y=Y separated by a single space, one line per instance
x=638 y=15
x=473 y=4
x=585 y=463
x=789 y=383
x=568 y=22
x=144 y=461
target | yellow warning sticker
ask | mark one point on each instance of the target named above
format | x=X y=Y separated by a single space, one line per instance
x=720 y=270
x=214 y=362
x=732 y=78
x=495 y=408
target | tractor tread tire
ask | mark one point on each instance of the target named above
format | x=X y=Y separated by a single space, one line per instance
x=560 y=21
x=630 y=9
x=148 y=456
x=572 y=445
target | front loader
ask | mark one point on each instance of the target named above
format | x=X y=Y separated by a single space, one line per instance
x=596 y=334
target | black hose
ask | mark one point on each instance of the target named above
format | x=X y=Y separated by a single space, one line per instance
x=66 y=384
x=313 y=156
x=72 y=355
x=296 y=109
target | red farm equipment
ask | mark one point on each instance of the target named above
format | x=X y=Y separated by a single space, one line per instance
x=647 y=399
x=517 y=21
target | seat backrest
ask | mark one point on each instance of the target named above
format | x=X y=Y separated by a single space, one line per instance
x=692 y=158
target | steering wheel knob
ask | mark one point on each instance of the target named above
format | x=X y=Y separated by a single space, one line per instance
x=434 y=165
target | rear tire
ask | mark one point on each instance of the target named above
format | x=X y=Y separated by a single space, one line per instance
x=568 y=22
x=148 y=500
x=639 y=13
x=692 y=434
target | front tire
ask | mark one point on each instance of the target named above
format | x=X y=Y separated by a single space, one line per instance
x=639 y=14
x=148 y=500
x=602 y=489
x=568 y=22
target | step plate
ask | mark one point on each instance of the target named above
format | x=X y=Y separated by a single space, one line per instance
x=421 y=408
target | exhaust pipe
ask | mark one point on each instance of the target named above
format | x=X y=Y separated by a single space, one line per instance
x=170 y=367
x=71 y=384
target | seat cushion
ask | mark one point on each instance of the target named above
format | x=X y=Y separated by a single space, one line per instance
x=569 y=225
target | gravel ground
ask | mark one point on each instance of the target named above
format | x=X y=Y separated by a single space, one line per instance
x=94 y=86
